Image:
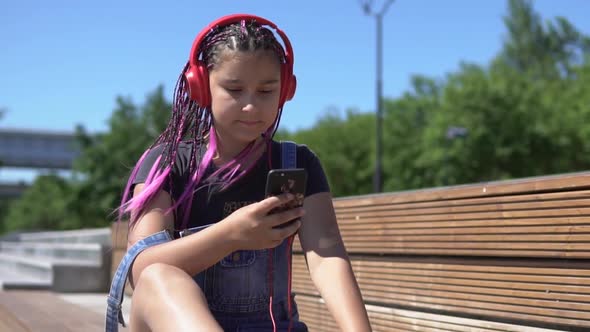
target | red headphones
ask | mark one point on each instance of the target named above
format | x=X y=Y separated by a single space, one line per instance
x=197 y=75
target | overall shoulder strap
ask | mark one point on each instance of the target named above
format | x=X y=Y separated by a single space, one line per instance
x=288 y=154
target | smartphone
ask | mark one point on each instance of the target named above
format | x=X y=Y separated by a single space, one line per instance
x=291 y=180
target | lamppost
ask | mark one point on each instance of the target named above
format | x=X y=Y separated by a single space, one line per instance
x=367 y=8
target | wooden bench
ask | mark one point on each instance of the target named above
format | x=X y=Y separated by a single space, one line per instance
x=501 y=256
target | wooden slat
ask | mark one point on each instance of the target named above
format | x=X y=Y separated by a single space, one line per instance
x=474 y=293
x=510 y=215
x=567 y=237
x=383 y=243
x=516 y=202
x=530 y=225
x=555 y=227
x=546 y=221
x=561 y=239
x=464 y=210
x=505 y=231
x=483 y=309
x=542 y=283
x=543 y=295
x=376 y=250
x=571 y=182
x=315 y=314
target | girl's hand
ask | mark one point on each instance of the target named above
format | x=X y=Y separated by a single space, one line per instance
x=252 y=227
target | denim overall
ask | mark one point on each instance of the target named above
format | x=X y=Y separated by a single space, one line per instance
x=238 y=288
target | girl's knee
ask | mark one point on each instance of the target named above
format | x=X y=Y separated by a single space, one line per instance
x=166 y=298
x=159 y=276
x=157 y=270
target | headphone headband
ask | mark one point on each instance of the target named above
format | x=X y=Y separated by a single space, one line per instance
x=236 y=18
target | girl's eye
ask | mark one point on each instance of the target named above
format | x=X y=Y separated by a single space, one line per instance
x=237 y=90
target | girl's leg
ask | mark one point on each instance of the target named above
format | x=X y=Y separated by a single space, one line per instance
x=165 y=298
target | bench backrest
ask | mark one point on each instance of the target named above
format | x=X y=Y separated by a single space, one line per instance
x=509 y=252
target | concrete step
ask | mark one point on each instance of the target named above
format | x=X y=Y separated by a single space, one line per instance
x=65 y=275
x=33 y=267
x=11 y=279
x=91 y=252
x=94 y=235
x=97 y=303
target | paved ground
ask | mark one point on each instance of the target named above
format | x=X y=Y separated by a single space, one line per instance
x=46 y=311
x=96 y=302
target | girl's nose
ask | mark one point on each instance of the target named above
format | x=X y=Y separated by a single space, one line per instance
x=248 y=102
x=249 y=107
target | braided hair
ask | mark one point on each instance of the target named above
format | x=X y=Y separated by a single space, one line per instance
x=193 y=123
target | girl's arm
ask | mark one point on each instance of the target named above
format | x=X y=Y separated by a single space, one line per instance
x=192 y=254
x=247 y=228
x=329 y=265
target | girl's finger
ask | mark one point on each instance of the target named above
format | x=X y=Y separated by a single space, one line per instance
x=272 y=202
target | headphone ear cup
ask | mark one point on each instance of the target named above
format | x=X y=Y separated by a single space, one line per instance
x=288 y=85
x=197 y=78
x=190 y=76
x=292 y=86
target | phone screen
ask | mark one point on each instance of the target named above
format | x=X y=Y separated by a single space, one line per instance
x=292 y=180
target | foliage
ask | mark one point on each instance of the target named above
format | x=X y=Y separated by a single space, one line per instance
x=41 y=207
x=345 y=146
x=93 y=193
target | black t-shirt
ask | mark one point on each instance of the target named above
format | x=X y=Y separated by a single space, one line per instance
x=209 y=206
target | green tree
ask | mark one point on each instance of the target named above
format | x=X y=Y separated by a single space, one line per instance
x=107 y=159
x=549 y=50
x=4 y=205
x=42 y=206
x=526 y=113
x=345 y=148
x=407 y=155
x=94 y=191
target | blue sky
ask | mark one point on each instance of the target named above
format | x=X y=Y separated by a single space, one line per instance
x=63 y=62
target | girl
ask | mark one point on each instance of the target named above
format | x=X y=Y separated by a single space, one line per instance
x=206 y=173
